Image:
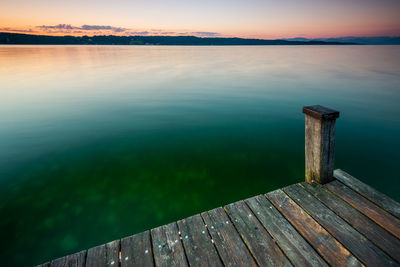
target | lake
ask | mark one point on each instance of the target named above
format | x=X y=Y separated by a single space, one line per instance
x=101 y=142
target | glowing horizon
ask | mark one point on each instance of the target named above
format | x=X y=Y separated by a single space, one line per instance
x=235 y=18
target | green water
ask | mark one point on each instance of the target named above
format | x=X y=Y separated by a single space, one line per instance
x=97 y=143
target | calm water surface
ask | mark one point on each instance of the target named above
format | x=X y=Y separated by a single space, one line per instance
x=101 y=142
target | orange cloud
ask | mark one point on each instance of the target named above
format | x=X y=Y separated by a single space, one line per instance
x=68 y=29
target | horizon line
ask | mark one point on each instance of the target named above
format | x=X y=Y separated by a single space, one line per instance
x=197 y=36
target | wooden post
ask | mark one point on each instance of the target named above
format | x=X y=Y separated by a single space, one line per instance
x=320 y=143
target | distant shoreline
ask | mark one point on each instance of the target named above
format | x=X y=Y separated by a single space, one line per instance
x=30 y=39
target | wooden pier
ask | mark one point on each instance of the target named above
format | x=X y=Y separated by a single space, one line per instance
x=331 y=219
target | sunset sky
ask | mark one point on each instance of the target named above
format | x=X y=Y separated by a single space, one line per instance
x=212 y=18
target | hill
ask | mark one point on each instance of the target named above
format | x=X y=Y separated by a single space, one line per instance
x=16 y=38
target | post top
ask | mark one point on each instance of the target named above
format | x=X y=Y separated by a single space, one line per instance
x=321 y=112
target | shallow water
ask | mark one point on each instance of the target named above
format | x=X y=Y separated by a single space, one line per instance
x=101 y=142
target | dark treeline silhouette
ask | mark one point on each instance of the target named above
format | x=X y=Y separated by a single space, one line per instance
x=376 y=40
x=16 y=38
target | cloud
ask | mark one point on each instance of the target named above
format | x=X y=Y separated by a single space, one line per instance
x=206 y=34
x=198 y=34
x=87 y=29
x=7 y=29
x=58 y=27
x=68 y=27
x=101 y=27
x=138 y=33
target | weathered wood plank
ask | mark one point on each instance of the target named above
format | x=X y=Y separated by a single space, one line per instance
x=60 y=262
x=289 y=240
x=319 y=143
x=168 y=249
x=380 y=237
x=96 y=256
x=368 y=192
x=196 y=240
x=112 y=253
x=375 y=213
x=323 y=242
x=230 y=246
x=74 y=260
x=359 y=246
x=341 y=218
x=136 y=250
x=259 y=242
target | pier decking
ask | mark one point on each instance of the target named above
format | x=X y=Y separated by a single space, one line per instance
x=332 y=219
x=343 y=222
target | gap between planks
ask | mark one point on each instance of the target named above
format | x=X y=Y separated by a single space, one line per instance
x=251 y=252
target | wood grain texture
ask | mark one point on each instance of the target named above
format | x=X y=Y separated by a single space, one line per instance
x=196 y=240
x=136 y=250
x=74 y=260
x=289 y=240
x=323 y=242
x=344 y=222
x=380 y=237
x=359 y=246
x=96 y=256
x=168 y=249
x=319 y=149
x=112 y=253
x=368 y=192
x=321 y=112
x=230 y=246
x=257 y=239
x=375 y=213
